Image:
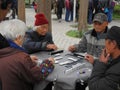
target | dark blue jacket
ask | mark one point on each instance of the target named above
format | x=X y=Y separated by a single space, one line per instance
x=34 y=42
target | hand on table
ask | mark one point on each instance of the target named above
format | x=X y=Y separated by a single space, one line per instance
x=89 y=58
x=52 y=46
x=71 y=48
x=34 y=58
x=51 y=59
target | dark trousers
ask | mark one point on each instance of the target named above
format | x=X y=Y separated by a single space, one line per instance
x=49 y=86
x=80 y=86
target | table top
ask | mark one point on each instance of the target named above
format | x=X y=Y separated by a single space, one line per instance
x=68 y=68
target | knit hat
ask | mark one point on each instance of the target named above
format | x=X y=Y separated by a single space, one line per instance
x=40 y=19
x=114 y=34
x=100 y=17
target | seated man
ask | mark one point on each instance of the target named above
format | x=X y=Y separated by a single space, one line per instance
x=39 y=39
x=20 y=72
x=106 y=74
x=93 y=41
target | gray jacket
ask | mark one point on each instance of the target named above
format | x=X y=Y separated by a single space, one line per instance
x=92 y=43
x=34 y=42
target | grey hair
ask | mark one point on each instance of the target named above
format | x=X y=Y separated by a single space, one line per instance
x=35 y=28
x=11 y=29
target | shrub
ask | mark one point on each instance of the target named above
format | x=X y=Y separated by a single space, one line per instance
x=117 y=9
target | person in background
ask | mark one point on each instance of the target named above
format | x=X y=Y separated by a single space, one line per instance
x=90 y=11
x=20 y=72
x=14 y=8
x=60 y=6
x=105 y=74
x=34 y=4
x=67 y=7
x=112 y=4
x=93 y=41
x=39 y=39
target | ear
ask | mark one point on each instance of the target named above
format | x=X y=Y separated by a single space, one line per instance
x=114 y=44
x=106 y=23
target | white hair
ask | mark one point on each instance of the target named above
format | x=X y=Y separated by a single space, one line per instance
x=11 y=29
x=35 y=28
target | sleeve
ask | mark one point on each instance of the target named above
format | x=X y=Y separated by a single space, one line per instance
x=31 y=45
x=49 y=38
x=32 y=73
x=82 y=45
x=100 y=80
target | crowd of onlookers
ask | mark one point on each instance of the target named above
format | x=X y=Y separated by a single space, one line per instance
x=94 y=6
x=67 y=6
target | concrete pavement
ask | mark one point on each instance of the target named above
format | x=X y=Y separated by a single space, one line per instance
x=59 y=29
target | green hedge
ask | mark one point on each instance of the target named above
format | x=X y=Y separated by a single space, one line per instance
x=116 y=12
x=117 y=9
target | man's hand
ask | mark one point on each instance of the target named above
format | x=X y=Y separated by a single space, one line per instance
x=34 y=58
x=89 y=58
x=71 y=48
x=51 y=59
x=104 y=56
x=52 y=46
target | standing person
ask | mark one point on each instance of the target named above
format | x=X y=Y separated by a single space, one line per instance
x=95 y=3
x=77 y=9
x=67 y=14
x=14 y=8
x=90 y=11
x=39 y=39
x=23 y=72
x=105 y=74
x=60 y=6
x=93 y=41
x=103 y=6
x=5 y=6
x=34 y=6
x=112 y=4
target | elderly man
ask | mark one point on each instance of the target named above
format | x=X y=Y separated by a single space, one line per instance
x=106 y=74
x=93 y=41
x=39 y=38
x=19 y=73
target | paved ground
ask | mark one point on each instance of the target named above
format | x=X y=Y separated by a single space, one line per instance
x=59 y=29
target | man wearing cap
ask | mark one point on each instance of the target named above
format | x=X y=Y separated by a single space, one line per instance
x=106 y=73
x=39 y=38
x=93 y=41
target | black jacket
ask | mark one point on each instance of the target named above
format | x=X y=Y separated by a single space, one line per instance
x=105 y=76
x=3 y=42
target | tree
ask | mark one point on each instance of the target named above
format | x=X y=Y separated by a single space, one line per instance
x=83 y=11
x=21 y=10
x=44 y=6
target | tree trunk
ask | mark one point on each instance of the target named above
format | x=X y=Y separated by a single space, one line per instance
x=44 y=6
x=21 y=10
x=83 y=12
